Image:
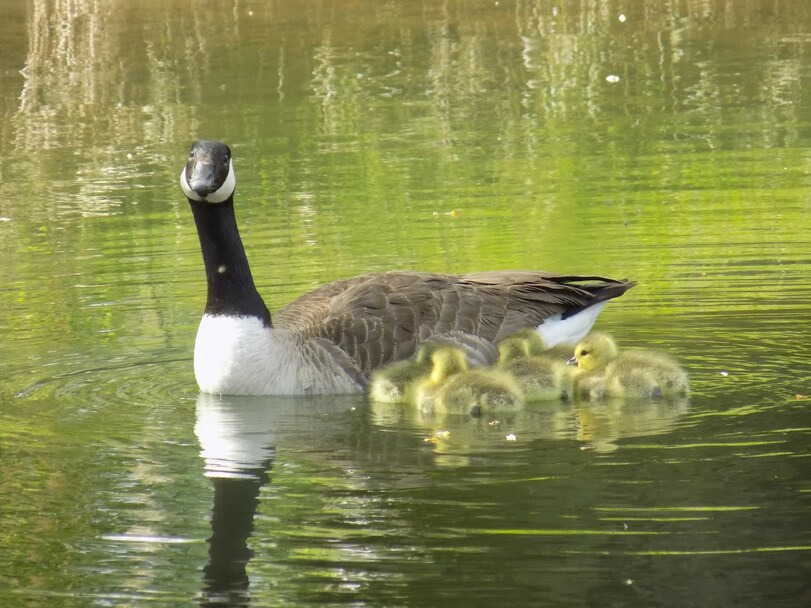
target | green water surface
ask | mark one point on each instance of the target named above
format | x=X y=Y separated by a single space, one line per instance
x=666 y=142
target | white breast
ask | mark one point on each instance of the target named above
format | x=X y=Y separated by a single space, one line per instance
x=236 y=355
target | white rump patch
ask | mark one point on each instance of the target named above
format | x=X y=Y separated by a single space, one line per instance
x=556 y=330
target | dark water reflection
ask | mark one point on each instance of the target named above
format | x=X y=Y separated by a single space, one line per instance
x=380 y=506
x=663 y=141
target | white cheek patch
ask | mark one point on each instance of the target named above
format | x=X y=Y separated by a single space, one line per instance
x=184 y=185
x=227 y=189
x=218 y=196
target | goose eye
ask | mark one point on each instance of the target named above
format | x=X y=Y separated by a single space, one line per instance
x=226 y=159
x=191 y=154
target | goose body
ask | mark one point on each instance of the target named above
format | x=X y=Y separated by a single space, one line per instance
x=453 y=388
x=609 y=372
x=330 y=339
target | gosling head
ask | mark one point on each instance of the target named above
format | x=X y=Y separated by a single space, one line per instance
x=523 y=343
x=209 y=173
x=447 y=362
x=535 y=344
x=425 y=351
x=512 y=348
x=595 y=351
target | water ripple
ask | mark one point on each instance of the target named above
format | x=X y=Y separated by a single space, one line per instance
x=121 y=380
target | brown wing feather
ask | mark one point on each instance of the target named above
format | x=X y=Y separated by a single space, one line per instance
x=379 y=318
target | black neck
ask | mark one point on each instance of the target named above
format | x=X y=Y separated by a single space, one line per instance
x=230 y=285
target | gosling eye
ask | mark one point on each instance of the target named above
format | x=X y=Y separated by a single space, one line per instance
x=583 y=353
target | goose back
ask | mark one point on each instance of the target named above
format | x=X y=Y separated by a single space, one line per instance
x=379 y=318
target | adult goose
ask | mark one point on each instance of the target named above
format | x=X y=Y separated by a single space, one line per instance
x=330 y=339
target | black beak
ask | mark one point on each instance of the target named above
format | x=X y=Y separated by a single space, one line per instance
x=205 y=178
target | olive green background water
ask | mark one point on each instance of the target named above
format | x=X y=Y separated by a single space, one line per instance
x=664 y=141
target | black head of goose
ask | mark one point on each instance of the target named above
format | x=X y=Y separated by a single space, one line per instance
x=330 y=339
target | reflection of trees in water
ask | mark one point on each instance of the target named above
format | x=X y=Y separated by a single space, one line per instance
x=95 y=67
x=64 y=48
x=101 y=95
x=421 y=102
x=145 y=68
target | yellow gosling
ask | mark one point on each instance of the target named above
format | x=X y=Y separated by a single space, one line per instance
x=590 y=385
x=541 y=376
x=479 y=392
x=393 y=383
x=524 y=343
x=445 y=362
x=453 y=388
x=608 y=372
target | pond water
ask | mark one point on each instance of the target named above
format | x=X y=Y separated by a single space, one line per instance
x=666 y=142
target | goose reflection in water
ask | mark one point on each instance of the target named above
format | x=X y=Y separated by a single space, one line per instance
x=238 y=440
x=239 y=437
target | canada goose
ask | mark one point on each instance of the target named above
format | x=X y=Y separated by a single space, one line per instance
x=328 y=340
x=453 y=388
x=542 y=377
x=629 y=373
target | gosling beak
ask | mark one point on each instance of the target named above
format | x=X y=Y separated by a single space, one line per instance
x=572 y=361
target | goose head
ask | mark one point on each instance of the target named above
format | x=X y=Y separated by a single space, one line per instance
x=209 y=173
x=595 y=351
